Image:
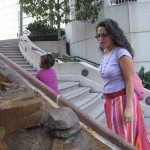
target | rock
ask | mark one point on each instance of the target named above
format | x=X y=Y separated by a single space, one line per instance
x=62 y=118
x=63 y=123
x=65 y=133
x=20 y=113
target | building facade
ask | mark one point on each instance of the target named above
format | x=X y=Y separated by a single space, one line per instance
x=11 y=19
x=133 y=16
x=9 y=10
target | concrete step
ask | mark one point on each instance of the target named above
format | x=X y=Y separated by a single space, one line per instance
x=66 y=85
x=30 y=69
x=95 y=109
x=9 y=48
x=12 y=52
x=26 y=65
x=33 y=73
x=5 y=52
x=76 y=93
x=9 y=42
x=21 y=62
x=102 y=119
x=17 y=58
x=81 y=102
x=93 y=101
x=15 y=54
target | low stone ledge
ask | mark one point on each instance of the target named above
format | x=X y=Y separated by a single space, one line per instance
x=57 y=144
x=20 y=113
x=18 y=108
x=3 y=146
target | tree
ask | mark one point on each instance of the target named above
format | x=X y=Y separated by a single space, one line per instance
x=57 y=11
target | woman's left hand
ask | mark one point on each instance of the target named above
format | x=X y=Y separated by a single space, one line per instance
x=128 y=113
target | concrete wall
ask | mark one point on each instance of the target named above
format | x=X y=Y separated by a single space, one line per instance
x=81 y=37
x=52 y=46
x=133 y=18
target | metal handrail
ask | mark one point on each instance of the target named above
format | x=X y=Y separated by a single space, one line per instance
x=78 y=57
x=32 y=47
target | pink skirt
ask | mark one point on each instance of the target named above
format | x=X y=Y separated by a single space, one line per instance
x=134 y=131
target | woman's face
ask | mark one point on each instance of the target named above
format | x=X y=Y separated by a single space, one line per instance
x=104 y=39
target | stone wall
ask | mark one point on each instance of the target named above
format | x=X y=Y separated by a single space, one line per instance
x=52 y=46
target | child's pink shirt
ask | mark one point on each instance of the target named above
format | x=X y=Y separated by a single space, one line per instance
x=48 y=77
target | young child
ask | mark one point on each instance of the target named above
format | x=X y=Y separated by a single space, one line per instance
x=47 y=74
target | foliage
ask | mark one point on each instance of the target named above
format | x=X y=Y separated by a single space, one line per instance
x=141 y=72
x=41 y=31
x=43 y=37
x=64 y=58
x=91 y=8
x=145 y=77
x=39 y=27
x=57 y=12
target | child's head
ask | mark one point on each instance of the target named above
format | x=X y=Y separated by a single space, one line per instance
x=47 y=61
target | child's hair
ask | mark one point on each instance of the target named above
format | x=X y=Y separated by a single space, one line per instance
x=47 y=61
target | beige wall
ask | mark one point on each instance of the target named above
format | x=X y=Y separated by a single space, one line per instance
x=52 y=46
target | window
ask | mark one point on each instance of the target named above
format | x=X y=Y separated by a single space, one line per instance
x=115 y=2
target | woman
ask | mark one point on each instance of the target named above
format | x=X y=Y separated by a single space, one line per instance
x=47 y=74
x=122 y=107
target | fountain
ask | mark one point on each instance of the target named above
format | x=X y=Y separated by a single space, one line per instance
x=24 y=119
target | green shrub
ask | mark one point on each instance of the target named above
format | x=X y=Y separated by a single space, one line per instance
x=145 y=77
x=43 y=37
x=41 y=31
x=40 y=27
x=64 y=58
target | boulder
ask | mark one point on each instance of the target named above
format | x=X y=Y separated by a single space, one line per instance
x=63 y=122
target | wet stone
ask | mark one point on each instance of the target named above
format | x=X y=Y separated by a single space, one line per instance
x=62 y=118
x=63 y=122
x=65 y=133
x=82 y=141
x=36 y=138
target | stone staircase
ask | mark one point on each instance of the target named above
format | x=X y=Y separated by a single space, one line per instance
x=90 y=102
x=11 y=50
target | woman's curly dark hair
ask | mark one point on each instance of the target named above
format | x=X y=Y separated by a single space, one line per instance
x=116 y=33
x=47 y=61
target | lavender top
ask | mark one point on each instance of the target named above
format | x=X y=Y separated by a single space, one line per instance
x=112 y=78
x=48 y=77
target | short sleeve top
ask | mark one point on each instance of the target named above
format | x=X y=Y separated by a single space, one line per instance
x=48 y=77
x=110 y=71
